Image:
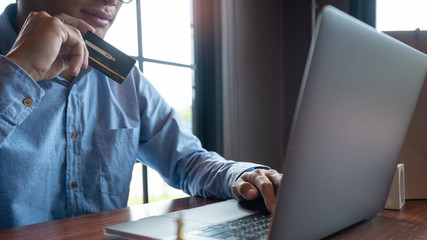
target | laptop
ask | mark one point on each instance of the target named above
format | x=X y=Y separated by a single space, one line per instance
x=355 y=105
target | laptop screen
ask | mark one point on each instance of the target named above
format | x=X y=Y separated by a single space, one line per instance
x=355 y=106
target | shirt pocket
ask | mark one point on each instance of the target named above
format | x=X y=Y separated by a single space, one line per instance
x=116 y=149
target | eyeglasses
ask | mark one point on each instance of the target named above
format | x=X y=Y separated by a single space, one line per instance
x=126 y=1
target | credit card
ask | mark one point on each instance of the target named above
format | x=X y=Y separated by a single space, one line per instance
x=107 y=59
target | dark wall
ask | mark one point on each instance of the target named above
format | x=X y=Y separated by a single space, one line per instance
x=297 y=38
x=253 y=61
x=259 y=64
x=341 y=4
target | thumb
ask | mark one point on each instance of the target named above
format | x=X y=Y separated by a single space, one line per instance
x=248 y=191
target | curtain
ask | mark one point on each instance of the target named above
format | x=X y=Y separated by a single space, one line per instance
x=364 y=10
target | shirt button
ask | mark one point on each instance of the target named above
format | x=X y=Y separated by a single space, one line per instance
x=27 y=102
x=73 y=185
x=73 y=135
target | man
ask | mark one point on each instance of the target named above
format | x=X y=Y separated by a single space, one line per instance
x=69 y=136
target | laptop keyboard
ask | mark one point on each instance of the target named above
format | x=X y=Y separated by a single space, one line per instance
x=249 y=228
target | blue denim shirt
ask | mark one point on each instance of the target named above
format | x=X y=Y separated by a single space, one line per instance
x=68 y=149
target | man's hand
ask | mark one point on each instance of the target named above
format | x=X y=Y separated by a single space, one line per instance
x=47 y=46
x=257 y=183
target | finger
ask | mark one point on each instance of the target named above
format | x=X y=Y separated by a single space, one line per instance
x=244 y=190
x=86 y=58
x=81 y=25
x=75 y=51
x=275 y=177
x=59 y=64
x=264 y=186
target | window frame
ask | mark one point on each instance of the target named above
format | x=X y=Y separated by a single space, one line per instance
x=141 y=60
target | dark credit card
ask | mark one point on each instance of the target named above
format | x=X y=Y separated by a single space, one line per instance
x=107 y=59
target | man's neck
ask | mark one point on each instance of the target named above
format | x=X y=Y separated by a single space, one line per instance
x=22 y=12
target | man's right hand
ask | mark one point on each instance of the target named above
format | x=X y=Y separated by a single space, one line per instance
x=46 y=46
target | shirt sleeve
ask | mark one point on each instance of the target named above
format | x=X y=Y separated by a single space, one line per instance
x=178 y=156
x=19 y=95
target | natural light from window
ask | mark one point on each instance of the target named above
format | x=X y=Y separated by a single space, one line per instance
x=4 y=3
x=401 y=15
x=166 y=36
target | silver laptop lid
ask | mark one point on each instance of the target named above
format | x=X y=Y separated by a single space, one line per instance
x=356 y=102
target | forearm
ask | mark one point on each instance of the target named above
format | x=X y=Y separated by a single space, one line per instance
x=178 y=156
x=210 y=175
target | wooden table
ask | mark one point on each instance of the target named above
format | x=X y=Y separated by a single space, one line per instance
x=410 y=223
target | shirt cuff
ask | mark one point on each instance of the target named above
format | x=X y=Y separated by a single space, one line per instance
x=19 y=93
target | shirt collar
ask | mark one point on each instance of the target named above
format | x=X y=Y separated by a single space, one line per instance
x=7 y=32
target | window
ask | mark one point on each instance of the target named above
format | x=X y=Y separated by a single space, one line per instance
x=163 y=47
x=4 y=3
x=159 y=34
x=406 y=15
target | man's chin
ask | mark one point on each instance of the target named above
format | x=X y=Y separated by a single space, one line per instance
x=101 y=32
